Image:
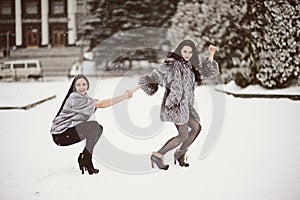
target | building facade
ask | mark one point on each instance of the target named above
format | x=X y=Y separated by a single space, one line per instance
x=39 y=23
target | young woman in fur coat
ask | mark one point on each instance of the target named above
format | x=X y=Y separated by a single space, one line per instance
x=179 y=74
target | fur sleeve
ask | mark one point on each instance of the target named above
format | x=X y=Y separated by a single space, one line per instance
x=149 y=84
x=208 y=69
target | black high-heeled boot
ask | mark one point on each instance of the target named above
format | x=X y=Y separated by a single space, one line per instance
x=85 y=163
x=179 y=155
x=80 y=162
x=157 y=158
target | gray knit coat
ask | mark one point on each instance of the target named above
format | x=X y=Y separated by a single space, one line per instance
x=177 y=77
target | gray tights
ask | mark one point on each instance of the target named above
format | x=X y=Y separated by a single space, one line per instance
x=184 y=137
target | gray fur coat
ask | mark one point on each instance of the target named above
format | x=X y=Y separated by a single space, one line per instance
x=179 y=80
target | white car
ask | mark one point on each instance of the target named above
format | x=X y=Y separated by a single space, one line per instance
x=21 y=69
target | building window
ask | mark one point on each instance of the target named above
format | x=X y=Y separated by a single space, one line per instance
x=6 y=8
x=82 y=7
x=58 y=7
x=31 y=7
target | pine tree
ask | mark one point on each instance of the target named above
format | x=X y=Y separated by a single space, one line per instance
x=275 y=42
x=261 y=35
x=111 y=22
x=87 y=31
x=108 y=17
x=221 y=23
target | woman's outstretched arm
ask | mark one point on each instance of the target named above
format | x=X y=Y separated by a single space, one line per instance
x=109 y=102
x=136 y=88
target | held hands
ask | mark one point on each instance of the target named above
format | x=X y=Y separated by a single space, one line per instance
x=129 y=93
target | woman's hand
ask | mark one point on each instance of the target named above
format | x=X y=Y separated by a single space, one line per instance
x=212 y=50
x=128 y=94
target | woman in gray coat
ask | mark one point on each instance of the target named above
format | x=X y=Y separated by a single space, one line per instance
x=72 y=125
x=179 y=74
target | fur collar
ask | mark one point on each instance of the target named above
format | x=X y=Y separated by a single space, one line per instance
x=175 y=56
x=172 y=57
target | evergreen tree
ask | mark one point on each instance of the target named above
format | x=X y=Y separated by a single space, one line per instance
x=262 y=35
x=275 y=27
x=116 y=18
x=108 y=17
x=221 y=23
x=87 y=31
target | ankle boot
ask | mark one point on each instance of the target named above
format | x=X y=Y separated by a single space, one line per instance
x=85 y=163
x=179 y=155
x=157 y=158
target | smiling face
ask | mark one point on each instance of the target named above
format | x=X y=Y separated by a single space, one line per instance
x=81 y=86
x=186 y=52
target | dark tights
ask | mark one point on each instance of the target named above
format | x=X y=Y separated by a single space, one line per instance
x=90 y=130
x=184 y=137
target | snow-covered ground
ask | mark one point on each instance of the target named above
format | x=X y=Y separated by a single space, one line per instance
x=256 y=156
x=257 y=89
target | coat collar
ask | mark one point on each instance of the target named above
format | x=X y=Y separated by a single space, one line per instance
x=176 y=56
x=179 y=58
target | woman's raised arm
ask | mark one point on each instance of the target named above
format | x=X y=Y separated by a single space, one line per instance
x=212 y=50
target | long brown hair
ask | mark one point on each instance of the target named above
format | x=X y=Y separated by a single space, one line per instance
x=72 y=89
x=194 y=60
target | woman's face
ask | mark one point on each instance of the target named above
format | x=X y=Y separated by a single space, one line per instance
x=186 y=52
x=81 y=86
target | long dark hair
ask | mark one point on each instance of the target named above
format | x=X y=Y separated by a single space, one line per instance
x=72 y=89
x=194 y=60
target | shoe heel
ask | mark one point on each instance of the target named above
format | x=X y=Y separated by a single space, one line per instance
x=181 y=157
x=157 y=159
x=80 y=163
x=81 y=168
x=86 y=164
